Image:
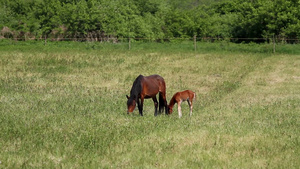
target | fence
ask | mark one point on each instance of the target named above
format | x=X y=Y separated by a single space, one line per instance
x=273 y=40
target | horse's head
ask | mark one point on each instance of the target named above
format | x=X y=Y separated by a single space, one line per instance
x=130 y=104
x=170 y=109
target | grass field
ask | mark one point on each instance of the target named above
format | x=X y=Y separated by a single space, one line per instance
x=63 y=105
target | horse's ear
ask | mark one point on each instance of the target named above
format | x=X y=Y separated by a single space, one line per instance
x=127 y=96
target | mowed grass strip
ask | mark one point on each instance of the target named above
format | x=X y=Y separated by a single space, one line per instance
x=67 y=108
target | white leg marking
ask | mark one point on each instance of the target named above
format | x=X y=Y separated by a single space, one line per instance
x=179 y=109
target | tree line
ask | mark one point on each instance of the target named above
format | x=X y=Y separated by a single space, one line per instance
x=101 y=20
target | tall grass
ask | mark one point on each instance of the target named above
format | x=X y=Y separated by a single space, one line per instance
x=63 y=105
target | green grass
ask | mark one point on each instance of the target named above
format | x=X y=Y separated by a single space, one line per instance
x=63 y=105
x=165 y=47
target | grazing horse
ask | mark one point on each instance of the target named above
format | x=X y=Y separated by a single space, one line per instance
x=145 y=87
x=179 y=97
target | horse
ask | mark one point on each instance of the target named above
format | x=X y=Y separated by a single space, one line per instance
x=180 y=97
x=146 y=87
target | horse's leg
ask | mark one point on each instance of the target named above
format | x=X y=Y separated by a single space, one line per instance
x=179 y=109
x=140 y=105
x=166 y=104
x=155 y=105
x=191 y=106
x=161 y=102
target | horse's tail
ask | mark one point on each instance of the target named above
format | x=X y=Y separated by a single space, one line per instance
x=161 y=101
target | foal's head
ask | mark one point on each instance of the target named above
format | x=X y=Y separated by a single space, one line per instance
x=170 y=109
x=130 y=104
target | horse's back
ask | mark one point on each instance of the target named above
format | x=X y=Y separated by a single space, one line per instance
x=153 y=84
x=191 y=93
x=155 y=80
x=186 y=94
x=155 y=77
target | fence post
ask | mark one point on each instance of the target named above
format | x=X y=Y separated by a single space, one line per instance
x=195 y=43
x=45 y=42
x=129 y=43
x=274 y=44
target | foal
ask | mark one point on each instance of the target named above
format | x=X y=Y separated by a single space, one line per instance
x=179 y=97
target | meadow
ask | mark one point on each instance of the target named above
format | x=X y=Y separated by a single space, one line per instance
x=63 y=105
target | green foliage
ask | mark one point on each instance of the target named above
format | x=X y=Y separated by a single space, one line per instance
x=265 y=18
x=151 y=19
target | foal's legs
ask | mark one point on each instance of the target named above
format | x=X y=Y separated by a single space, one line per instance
x=191 y=106
x=179 y=108
x=155 y=105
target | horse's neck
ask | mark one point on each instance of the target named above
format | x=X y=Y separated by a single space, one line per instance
x=136 y=89
x=172 y=101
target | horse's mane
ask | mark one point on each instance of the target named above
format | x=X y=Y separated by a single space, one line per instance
x=136 y=87
x=172 y=101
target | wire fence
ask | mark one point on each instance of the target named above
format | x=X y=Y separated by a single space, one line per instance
x=129 y=40
x=152 y=39
x=122 y=39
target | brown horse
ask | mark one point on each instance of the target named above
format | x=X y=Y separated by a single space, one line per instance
x=145 y=87
x=178 y=98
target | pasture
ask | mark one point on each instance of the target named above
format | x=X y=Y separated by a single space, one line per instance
x=63 y=105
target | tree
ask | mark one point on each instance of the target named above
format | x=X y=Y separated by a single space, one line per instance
x=154 y=19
